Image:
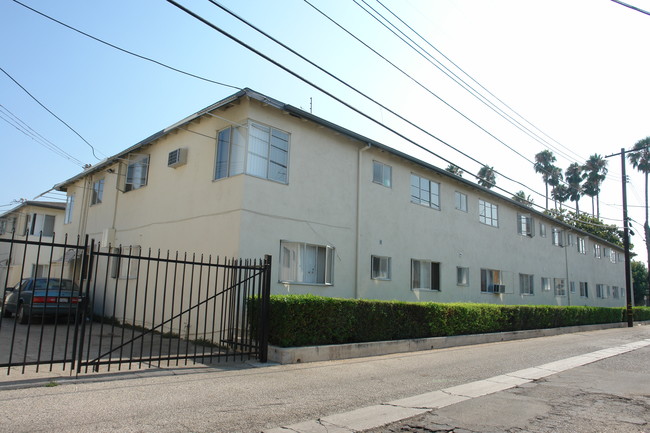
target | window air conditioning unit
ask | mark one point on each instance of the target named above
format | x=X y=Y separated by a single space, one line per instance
x=177 y=158
x=498 y=288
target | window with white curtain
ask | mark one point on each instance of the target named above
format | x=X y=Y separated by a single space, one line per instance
x=257 y=150
x=137 y=171
x=306 y=263
x=425 y=275
x=69 y=208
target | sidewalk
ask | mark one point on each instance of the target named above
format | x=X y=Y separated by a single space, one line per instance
x=378 y=416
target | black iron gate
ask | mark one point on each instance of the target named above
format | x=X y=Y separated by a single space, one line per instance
x=128 y=308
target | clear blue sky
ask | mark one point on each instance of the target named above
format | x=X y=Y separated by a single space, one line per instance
x=577 y=70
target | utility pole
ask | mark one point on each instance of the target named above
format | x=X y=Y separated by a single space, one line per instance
x=626 y=243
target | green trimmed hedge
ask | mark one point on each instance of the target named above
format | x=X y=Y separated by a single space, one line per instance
x=307 y=320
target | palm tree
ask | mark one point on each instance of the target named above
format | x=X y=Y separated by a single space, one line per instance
x=521 y=197
x=486 y=177
x=454 y=169
x=640 y=159
x=543 y=162
x=596 y=169
x=555 y=179
x=574 y=176
x=560 y=194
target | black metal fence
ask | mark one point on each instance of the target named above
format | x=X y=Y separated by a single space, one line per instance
x=127 y=308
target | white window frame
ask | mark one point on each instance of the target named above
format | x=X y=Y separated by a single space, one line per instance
x=305 y=263
x=425 y=192
x=525 y=226
x=542 y=230
x=612 y=255
x=490 y=277
x=425 y=275
x=380 y=268
x=256 y=149
x=461 y=201
x=559 y=286
x=382 y=174
x=41 y=223
x=69 y=209
x=597 y=251
x=462 y=276
x=582 y=248
x=570 y=239
x=600 y=291
x=546 y=284
x=488 y=213
x=97 y=192
x=572 y=286
x=135 y=173
x=527 y=284
x=584 y=289
x=557 y=236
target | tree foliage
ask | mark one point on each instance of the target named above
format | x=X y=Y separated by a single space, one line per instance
x=639 y=282
x=454 y=169
x=486 y=177
x=590 y=224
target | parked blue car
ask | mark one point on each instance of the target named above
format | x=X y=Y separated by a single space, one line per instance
x=42 y=297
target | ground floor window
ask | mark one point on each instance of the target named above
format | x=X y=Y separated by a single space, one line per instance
x=584 y=289
x=600 y=291
x=546 y=284
x=491 y=281
x=425 y=275
x=526 y=284
x=559 y=286
x=306 y=263
x=462 y=276
x=380 y=268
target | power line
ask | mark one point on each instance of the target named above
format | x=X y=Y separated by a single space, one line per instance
x=301 y=78
x=49 y=111
x=127 y=51
x=420 y=50
x=24 y=128
x=355 y=90
x=631 y=7
x=495 y=107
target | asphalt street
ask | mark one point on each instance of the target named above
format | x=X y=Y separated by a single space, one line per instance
x=256 y=397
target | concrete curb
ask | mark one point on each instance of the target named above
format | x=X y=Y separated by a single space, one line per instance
x=294 y=355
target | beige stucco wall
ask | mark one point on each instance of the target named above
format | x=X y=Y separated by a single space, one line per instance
x=395 y=227
x=17 y=260
x=184 y=209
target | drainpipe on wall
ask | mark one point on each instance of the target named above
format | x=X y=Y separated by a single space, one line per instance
x=358 y=234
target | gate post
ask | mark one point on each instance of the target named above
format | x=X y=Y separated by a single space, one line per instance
x=80 y=335
x=264 y=310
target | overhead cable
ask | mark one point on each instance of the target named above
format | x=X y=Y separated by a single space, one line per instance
x=50 y=111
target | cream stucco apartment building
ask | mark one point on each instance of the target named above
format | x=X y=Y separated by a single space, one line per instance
x=342 y=215
x=34 y=220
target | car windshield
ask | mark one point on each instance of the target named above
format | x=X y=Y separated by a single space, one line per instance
x=54 y=283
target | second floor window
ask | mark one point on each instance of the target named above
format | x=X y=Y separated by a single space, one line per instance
x=525 y=225
x=69 y=208
x=98 y=192
x=488 y=213
x=425 y=192
x=258 y=150
x=136 y=172
x=381 y=173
